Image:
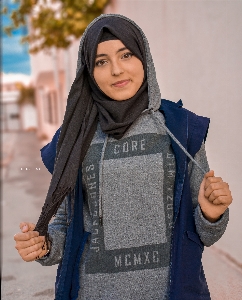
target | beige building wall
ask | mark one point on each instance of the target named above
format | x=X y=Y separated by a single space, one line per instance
x=197 y=51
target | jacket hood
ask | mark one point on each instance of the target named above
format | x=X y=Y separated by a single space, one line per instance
x=153 y=87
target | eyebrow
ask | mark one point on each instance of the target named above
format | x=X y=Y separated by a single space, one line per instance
x=119 y=50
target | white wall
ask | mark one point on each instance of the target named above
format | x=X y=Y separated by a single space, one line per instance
x=29 y=117
x=197 y=50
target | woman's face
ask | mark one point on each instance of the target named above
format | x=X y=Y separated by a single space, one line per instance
x=117 y=72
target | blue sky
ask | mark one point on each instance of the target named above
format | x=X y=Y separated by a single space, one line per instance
x=15 y=57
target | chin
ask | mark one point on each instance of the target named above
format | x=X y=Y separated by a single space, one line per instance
x=122 y=97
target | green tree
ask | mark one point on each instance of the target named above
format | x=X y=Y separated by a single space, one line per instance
x=53 y=22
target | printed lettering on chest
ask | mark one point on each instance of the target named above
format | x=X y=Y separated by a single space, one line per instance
x=137 y=185
x=133 y=146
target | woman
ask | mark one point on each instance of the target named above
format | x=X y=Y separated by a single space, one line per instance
x=135 y=213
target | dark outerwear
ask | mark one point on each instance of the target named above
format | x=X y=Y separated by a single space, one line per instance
x=187 y=280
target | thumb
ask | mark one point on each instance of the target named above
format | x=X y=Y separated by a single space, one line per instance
x=209 y=174
x=25 y=226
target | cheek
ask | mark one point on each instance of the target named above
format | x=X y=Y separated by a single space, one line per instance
x=100 y=79
x=139 y=75
x=137 y=70
x=96 y=76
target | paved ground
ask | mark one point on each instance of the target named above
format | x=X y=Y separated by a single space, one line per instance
x=224 y=278
x=23 y=192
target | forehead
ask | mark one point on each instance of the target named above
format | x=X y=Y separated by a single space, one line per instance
x=110 y=47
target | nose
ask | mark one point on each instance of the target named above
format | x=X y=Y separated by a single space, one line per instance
x=116 y=69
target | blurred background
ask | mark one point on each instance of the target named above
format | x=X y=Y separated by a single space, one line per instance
x=197 y=52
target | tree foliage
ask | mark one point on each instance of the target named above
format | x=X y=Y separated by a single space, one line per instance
x=26 y=95
x=54 y=22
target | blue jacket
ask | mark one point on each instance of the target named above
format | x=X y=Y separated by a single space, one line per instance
x=187 y=280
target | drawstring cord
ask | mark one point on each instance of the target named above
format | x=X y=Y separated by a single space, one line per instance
x=100 y=206
x=176 y=141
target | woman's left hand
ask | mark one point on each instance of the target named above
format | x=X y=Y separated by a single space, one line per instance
x=214 y=196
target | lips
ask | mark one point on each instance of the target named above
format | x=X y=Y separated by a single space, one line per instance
x=121 y=83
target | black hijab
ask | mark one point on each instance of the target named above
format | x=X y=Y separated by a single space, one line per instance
x=86 y=104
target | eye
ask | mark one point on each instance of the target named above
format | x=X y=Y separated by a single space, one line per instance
x=100 y=62
x=127 y=55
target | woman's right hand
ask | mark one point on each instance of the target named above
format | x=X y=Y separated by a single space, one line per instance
x=29 y=244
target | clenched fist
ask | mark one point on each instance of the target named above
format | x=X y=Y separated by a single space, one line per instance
x=29 y=244
x=214 y=196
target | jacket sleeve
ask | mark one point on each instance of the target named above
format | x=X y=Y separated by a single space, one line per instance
x=57 y=234
x=209 y=232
